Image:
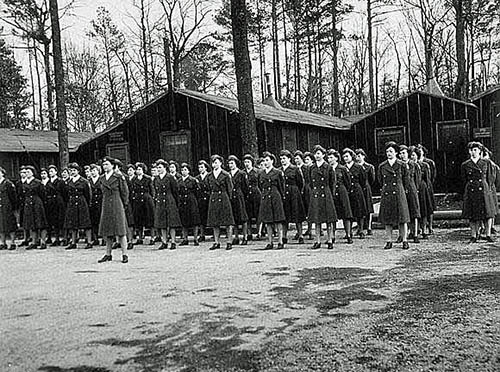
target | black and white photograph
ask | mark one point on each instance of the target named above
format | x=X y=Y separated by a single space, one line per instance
x=249 y=185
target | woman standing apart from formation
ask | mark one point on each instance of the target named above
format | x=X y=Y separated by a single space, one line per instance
x=253 y=194
x=115 y=197
x=341 y=195
x=8 y=204
x=188 y=204
x=220 y=212
x=367 y=188
x=203 y=196
x=356 y=194
x=393 y=177
x=240 y=189
x=478 y=203
x=271 y=212
x=292 y=199
x=77 y=209
x=166 y=212
x=321 y=206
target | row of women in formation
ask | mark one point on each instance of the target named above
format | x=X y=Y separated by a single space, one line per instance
x=313 y=188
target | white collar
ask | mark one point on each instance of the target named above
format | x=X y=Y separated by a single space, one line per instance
x=285 y=168
x=320 y=163
x=391 y=162
x=267 y=171
x=28 y=180
x=185 y=178
x=108 y=175
x=475 y=161
x=45 y=181
x=234 y=171
x=76 y=178
x=217 y=172
x=94 y=179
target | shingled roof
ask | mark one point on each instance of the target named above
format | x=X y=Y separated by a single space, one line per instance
x=17 y=140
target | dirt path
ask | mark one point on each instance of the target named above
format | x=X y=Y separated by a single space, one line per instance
x=244 y=310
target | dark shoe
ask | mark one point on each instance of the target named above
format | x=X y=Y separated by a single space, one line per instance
x=103 y=242
x=56 y=243
x=236 y=241
x=130 y=246
x=416 y=240
x=249 y=237
x=48 y=241
x=24 y=243
x=229 y=246
x=214 y=247
x=473 y=240
x=3 y=247
x=201 y=238
x=388 y=245
x=196 y=244
x=489 y=239
x=349 y=240
x=285 y=240
x=152 y=242
x=105 y=258
x=316 y=246
x=184 y=242
x=406 y=245
x=43 y=246
x=173 y=246
x=244 y=242
x=361 y=235
x=258 y=237
x=115 y=245
x=345 y=237
x=31 y=246
x=425 y=236
x=280 y=246
x=157 y=239
x=162 y=246
x=301 y=240
x=329 y=245
x=71 y=246
x=124 y=258
x=400 y=239
x=369 y=233
x=12 y=247
x=88 y=246
x=139 y=242
x=268 y=247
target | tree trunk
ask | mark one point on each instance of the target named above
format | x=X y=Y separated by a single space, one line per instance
x=32 y=80
x=285 y=47
x=145 y=52
x=276 y=50
x=39 y=82
x=243 y=67
x=114 y=100
x=50 y=89
x=370 y=53
x=461 y=83
x=262 y=63
x=335 y=62
x=62 y=127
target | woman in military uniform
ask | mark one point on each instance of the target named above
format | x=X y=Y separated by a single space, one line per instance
x=34 y=217
x=142 y=202
x=271 y=212
x=115 y=197
x=414 y=178
x=77 y=210
x=95 y=202
x=167 y=216
x=8 y=204
x=253 y=194
x=55 y=191
x=478 y=203
x=393 y=177
x=238 y=205
x=367 y=188
x=306 y=172
x=293 y=203
x=341 y=195
x=203 y=196
x=321 y=206
x=356 y=195
x=424 y=193
x=188 y=204
x=220 y=212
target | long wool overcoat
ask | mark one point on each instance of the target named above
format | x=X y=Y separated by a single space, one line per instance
x=55 y=206
x=95 y=207
x=425 y=197
x=253 y=195
x=77 y=208
x=220 y=212
x=240 y=189
x=272 y=186
x=495 y=173
x=306 y=192
x=20 y=200
x=323 y=183
x=203 y=197
x=142 y=201
x=367 y=188
x=115 y=197
x=414 y=179
x=393 y=204
x=341 y=195
x=166 y=195
x=8 y=204
x=431 y=180
x=293 y=202
x=129 y=212
x=34 y=217
x=188 y=202
x=478 y=202
x=356 y=194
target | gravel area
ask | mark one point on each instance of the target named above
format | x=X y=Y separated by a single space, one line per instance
x=357 y=307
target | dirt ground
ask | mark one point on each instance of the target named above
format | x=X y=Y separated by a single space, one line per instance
x=435 y=307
